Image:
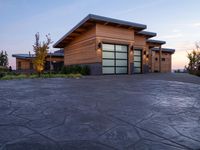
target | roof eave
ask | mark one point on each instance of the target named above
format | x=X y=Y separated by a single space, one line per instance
x=147 y=34
x=168 y=50
x=74 y=28
x=93 y=17
x=156 y=42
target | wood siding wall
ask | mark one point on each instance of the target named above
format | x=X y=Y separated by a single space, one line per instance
x=25 y=64
x=165 y=65
x=82 y=50
x=57 y=59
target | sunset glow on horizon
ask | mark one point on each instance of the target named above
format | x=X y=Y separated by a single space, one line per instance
x=176 y=22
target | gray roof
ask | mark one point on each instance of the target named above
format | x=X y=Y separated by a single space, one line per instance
x=169 y=50
x=156 y=41
x=23 y=56
x=92 y=17
x=147 y=33
x=59 y=53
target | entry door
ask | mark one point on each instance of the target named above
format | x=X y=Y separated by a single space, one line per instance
x=114 y=59
x=137 y=61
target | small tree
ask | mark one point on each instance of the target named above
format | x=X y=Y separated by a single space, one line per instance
x=194 y=60
x=3 y=59
x=41 y=51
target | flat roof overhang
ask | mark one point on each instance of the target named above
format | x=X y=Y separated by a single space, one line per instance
x=147 y=34
x=27 y=56
x=156 y=42
x=23 y=56
x=89 y=21
x=168 y=50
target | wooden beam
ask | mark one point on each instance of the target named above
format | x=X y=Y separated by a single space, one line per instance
x=88 y=24
x=106 y=23
x=74 y=34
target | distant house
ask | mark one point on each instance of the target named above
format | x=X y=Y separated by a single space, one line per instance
x=24 y=62
x=111 y=46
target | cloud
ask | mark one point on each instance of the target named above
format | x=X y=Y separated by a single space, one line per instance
x=197 y=24
x=176 y=31
x=172 y=36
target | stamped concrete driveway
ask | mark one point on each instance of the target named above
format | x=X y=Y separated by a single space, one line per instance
x=141 y=112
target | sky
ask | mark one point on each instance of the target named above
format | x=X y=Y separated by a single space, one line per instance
x=175 y=21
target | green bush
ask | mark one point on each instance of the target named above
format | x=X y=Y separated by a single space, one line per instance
x=33 y=76
x=10 y=77
x=2 y=74
x=76 y=69
x=85 y=70
x=3 y=71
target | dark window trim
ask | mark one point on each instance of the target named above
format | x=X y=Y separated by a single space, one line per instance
x=115 y=59
x=138 y=49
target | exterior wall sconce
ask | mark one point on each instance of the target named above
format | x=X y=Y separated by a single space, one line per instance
x=99 y=45
x=132 y=48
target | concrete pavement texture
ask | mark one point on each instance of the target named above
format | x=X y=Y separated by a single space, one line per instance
x=137 y=112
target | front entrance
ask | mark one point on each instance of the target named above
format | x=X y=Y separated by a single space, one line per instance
x=137 y=61
x=114 y=59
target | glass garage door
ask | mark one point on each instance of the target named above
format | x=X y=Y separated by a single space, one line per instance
x=137 y=61
x=114 y=59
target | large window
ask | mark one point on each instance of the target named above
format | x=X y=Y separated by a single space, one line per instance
x=137 y=61
x=114 y=59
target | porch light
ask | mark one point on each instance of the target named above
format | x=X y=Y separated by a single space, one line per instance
x=99 y=45
x=132 y=48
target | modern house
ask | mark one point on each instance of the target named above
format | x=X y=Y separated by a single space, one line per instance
x=24 y=62
x=111 y=46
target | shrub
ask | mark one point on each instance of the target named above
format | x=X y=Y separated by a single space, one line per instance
x=2 y=74
x=3 y=71
x=85 y=70
x=10 y=77
x=76 y=69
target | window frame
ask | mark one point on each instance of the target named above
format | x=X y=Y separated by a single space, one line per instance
x=115 y=58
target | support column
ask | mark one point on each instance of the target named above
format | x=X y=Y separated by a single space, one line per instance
x=160 y=58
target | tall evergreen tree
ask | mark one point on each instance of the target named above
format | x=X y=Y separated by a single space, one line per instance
x=3 y=59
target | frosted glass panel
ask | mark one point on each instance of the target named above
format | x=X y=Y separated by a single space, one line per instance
x=121 y=69
x=121 y=62
x=108 y=55
x=137 y=53
x=108 y=47
x=121 y=48
x=137 y=58
x=137 y=70
x=121 y=55
x=108 y=62
x=108 y=70
x=137 y=64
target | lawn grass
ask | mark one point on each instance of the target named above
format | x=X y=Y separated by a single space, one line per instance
x=33 y=76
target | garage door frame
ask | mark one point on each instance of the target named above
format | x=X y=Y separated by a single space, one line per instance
x=115 y=59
